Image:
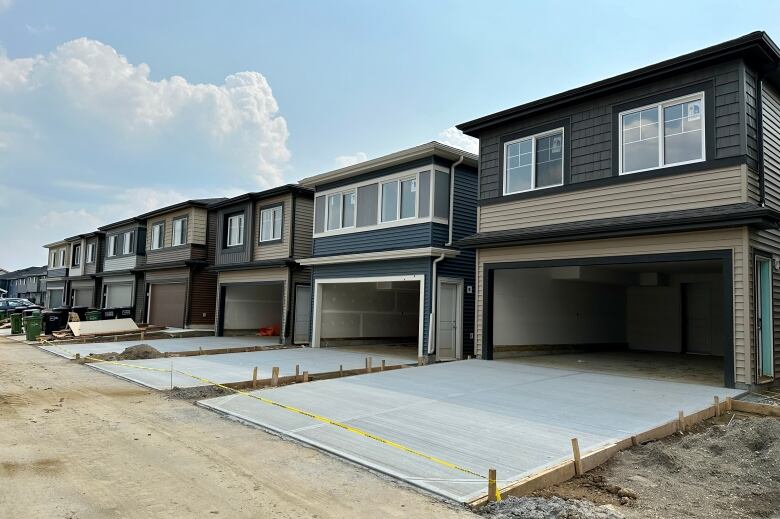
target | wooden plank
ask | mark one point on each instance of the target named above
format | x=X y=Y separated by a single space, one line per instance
x=575 y=448
x=107 y=327
x=752 y=407
x=491 y=492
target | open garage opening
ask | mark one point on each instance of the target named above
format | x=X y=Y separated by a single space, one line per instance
x=659 y=319
x=252 y=309
x=377 y=314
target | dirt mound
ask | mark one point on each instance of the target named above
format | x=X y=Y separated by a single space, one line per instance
x=548 y=508
x=137 y=352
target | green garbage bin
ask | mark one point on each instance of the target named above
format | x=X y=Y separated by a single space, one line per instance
x=32 y=326
x=2 y=315
x=16 y=324
x=93 y=315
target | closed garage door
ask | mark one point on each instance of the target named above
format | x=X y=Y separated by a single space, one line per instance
x=166 y=304
x=82 y=297
x=55 y=297
x=119 y=295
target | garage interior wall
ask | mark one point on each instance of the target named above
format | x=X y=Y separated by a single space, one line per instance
x=251 y=307
x=370 y=310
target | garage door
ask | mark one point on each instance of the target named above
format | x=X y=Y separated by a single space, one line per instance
x=83 y=297
x=119 y=295
x=55 y=298
x=166 y=304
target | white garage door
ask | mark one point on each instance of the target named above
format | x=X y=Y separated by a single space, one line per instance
x=119 y=295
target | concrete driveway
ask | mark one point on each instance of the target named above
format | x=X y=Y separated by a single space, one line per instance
x=476 y=414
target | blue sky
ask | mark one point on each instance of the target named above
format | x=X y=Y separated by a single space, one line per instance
x=108 y=109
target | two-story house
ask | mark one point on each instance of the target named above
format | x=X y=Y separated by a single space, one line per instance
x=121 y=281
x=180 y=291
x=260 y=240
x=84 y=263
x=639 y=213
x=57 y=274
x=384 y=267
x=29 y=283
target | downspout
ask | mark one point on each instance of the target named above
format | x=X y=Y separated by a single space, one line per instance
x=434 y=284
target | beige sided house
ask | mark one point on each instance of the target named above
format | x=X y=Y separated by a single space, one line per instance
x=638 y=214
x=57 y=273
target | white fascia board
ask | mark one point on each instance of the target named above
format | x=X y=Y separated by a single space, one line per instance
x=380 y=256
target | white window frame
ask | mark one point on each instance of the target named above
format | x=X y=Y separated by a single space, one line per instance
x=240 y=242
x=340 y=194
x=175 y=236
x=533 y=139
x=127 y=249
x=278 y=209
x=62 y=257
x=76 y=255
x=661 y=132
x=112 y=242
x=90 y=254
x=160 y=243
x=398 y=181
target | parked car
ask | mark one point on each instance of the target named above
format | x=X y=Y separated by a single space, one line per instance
x=14 y=303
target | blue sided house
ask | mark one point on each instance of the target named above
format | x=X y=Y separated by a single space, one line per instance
x=384 y=268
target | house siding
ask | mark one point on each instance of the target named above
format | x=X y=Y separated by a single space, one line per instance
x=771 y=134
x=766 y=241
x=234 y=255
x=589 y=131
x=401 y=237
x=303 y=227
x=735 y=240
x=264 y=251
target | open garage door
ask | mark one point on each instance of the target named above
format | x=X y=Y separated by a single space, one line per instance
x=252 y=308
x=368 y=313
x=660 y=319
x=166 y=304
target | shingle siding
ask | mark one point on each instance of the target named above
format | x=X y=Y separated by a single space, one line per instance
x=401 y=237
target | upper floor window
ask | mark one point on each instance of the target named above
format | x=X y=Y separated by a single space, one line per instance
x=235 y=230
x=271 y=224
x=128 y=242
x=158 y=234
x=533 y=162
x=113 y=241
x=663 y=134
x=341 y=210
x=77 y=255
x=90 y=253
x=180 y=231
x=399 y=199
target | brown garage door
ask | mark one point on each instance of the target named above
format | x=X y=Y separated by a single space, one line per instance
x=166 y=305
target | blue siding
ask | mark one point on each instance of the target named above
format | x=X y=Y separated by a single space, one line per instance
x=402 y=237
x=414 y=266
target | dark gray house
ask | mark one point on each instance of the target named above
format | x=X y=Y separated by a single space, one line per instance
x=85 y=262
x=29 y=283
x=261 y=239
x=57 y=274
x=121 y=281
x=639 y=214
x=384 y=267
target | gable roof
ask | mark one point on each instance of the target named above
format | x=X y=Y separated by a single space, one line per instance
x=26 y=272
x=197 y=202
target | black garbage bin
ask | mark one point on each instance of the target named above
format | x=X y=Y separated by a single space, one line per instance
x=51 y=322
x=108 y=313
x=124 y=312
x=63 y=312
x=81 y=311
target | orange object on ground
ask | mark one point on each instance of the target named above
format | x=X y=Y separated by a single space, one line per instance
x=269 y=331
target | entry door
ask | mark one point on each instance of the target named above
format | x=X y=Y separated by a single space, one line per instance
x=166 y=304
x=764 y=317
x=302 y=314
x=448 y=327
x=698 y=318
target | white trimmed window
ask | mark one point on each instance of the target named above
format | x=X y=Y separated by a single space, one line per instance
x=128 y=242
x=62 y=257
x=340 y=210
x=112 y=242
x=158 y=234
x=271 y=224
x=235 y=230
x=90 y=253
x=179 y=231
x=643 y=146
x=399 y=199
x=533 y=162
x=77 y=255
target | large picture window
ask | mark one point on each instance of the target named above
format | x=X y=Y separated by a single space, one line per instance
x=533 y=162
x=661 y=135
x=399 y=199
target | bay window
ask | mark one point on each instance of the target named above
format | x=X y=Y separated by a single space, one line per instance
x=399 y=199
x=340 y=210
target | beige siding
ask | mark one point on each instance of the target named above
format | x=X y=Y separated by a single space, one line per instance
x=278 y=249
x=304 y=226
x=766 y=241
x=255 y=276
x=661 y=194
x=196 y=226
x=122 y=263
x=735 y=240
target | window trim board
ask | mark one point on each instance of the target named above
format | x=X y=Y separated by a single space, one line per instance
x=533 y=138
x=260 y=210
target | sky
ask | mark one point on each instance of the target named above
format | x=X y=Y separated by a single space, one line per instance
x=111 y=109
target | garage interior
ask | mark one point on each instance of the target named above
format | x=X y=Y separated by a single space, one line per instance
x=376 y=314
x=248 y=308
x=658 y=320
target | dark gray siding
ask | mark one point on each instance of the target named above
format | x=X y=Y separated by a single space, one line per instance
x=402 y=237
x=414 y=266
x=242 y=254
x=589 y=126
x=302 y=233
x=771 y=129
x=91 y=268
x=751 y=118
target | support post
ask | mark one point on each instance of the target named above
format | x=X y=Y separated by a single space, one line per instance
x=305 y=376
x=717 y=406
x=368 y=364
x=254 y=377
x=297 y=371
x=575 y=447
x=681 y=421
x=728 y=403
x=382 y=366
x=275 y=376
x=341 y=370
x=491 y=494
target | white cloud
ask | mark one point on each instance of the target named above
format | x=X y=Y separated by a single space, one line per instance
x=38 y=29
x=456 y=138
x=5 y=5
x=342 y=161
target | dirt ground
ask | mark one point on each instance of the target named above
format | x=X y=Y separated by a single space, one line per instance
x=78 y=444
x=727 y=467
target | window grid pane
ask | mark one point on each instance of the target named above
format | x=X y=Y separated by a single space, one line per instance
x=519 y=166
x=390 y=201
x=277 y=223
x=349 y=210
x=409 y=198
x=334 y=212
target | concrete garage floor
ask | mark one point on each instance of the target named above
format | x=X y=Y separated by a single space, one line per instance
x=162 y=345
x=516 y=418
x=237 y=367
x=692 y=369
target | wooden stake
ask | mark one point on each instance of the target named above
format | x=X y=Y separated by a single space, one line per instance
x=728 y=403
x=341 y=370
x=305 y=376
x=575 y=447
x=254 y=377
x=491 y=485
x=717 y=406
x=382 y=366
x=142 y=335
x=274 y=376
x=681 y=421
x=78 y=356
x=200 y=350
x=368 y=364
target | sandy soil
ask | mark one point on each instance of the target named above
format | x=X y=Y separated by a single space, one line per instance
x=78 y=444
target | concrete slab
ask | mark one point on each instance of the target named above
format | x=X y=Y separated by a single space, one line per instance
x=516 y=418
x=237 y=367
x=163 y=345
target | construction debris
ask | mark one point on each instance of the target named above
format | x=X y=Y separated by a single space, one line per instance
x=552 y=508
x=107 y=327
x=137 y=352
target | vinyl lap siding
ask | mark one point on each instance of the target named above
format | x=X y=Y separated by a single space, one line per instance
x=234 y=255
x=401 y=237
x=202 y=298
x=735 y=240
x=656 y=195
x=264 y=251
x=771 y=130
x=765 y=241
x=304 y=225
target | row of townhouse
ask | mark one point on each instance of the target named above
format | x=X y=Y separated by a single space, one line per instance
x=640 y=212
x=29 y=283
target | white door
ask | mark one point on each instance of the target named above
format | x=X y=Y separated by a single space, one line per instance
x=302 y=314
x=448 y=327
